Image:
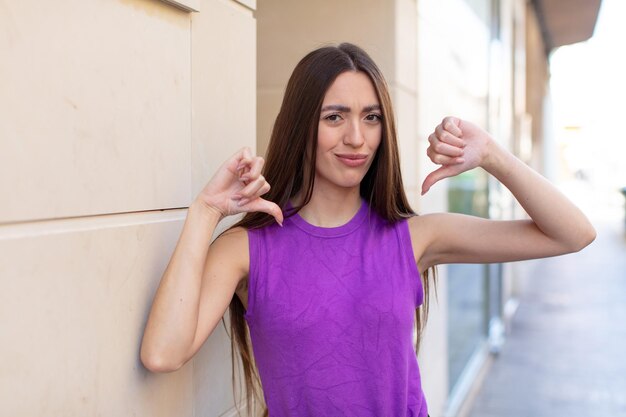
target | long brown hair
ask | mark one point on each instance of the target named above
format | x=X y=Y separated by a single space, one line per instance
x=290 y=169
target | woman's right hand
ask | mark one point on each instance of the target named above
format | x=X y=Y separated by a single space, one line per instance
x=237 y=187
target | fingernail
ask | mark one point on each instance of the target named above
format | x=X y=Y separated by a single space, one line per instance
x=460 y=160
x=243 y=202
x=244 y=178
x=235 y=197
x=279 y=223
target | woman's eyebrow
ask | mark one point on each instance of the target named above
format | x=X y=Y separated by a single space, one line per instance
x=336 y=107
x=345 y=109
x=371 y=107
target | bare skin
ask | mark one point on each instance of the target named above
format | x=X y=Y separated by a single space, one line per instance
x=556 y=226
x=200 y=280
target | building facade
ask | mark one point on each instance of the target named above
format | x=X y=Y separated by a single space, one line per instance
x=114 y=114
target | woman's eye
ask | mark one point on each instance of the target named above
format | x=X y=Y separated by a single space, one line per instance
x=333 y=117
x=374 y=117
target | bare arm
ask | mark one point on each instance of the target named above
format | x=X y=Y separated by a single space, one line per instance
x=173 y=319
x=201 y=278
x=556 y=227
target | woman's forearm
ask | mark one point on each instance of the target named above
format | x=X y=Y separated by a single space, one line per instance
x=173 y=319
x=553 y=213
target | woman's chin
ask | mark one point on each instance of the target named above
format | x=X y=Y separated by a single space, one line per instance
x=351 y=182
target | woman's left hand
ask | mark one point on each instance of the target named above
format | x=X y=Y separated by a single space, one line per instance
x=458 y=146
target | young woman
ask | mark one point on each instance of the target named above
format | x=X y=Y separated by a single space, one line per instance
x=327 y=269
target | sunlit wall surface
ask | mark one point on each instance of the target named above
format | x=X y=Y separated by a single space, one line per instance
x=102 y=148
x=467 y=193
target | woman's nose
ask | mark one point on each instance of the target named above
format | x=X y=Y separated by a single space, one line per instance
x=354 y=135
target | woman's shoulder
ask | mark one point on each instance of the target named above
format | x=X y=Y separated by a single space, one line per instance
x=426 y=221
x=232 y=245
x=425 y=226
x=231 y=249
x=237 y=242
x=423 y=229
x=234 y=235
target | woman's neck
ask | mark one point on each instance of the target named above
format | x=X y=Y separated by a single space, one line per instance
x=330 y=207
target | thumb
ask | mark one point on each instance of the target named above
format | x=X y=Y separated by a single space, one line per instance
x=268 y=207
x=437 y=175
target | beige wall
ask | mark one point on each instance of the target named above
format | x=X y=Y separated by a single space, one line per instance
x=537 y=79
x=86 y=121
x=113 y=114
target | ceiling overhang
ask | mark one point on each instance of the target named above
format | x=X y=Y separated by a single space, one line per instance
x=564 y=22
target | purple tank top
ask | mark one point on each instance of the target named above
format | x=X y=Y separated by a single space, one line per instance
x=331 y=315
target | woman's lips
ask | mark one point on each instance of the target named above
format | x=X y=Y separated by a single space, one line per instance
x=352 y=160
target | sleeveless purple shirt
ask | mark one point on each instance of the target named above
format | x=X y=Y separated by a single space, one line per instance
x=331 y=315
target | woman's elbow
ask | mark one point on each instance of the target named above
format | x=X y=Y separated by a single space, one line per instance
x=158 y=363
x=584 y=238
x=591 y=235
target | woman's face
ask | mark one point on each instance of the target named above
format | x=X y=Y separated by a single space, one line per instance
x=349 y=131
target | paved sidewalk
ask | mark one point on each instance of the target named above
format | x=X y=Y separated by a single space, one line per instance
x=566 y=355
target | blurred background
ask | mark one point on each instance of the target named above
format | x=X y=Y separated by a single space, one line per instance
x=114 y=114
